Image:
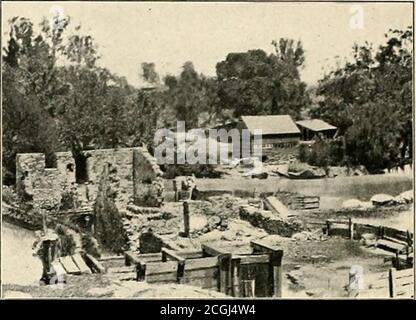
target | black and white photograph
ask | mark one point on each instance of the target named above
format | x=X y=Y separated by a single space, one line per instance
x=207 y=150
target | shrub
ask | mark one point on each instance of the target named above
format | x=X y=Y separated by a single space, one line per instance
x=109 y=228
x=68 y=244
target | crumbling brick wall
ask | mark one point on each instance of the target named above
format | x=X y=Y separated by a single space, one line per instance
x=133 y=170
x=134 y=174
x=36 y=183
x=120 y=162
x=148 y=186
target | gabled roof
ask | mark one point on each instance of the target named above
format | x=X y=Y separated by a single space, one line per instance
x=281 y=124
x=316 y=125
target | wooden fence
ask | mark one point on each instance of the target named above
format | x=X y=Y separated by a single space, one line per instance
x=399 y=242
x=305 y=203
x=395 y=284
x=256 y=274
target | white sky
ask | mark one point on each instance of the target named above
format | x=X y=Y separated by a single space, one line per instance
x=168 y=34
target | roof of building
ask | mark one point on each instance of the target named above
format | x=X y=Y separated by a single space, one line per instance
x=276 y=124
x=316 y=125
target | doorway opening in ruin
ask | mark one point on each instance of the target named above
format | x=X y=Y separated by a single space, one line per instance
x=81 y=174
x=50 y=160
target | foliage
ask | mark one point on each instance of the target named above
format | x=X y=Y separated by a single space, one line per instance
x=253 y=82
x=370 y=101
x=66 y=239
x=90 y=245
x=190 y=97
x=323 y=152
x=56 y=98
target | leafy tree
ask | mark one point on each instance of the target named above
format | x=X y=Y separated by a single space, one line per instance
x=370 y=101
x=254 y=82
x=190 y=95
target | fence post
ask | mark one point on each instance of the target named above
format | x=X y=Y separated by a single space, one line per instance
x=186 y=219
x=175 y=188
x=328 y=227
x=392 y=282
x=351 y=228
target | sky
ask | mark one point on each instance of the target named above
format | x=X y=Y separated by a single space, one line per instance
x=169 y=34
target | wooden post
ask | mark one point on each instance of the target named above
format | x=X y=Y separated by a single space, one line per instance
x=275 y=266
x=328 y=227
x=409 y=238
x=248 y=288
x=44 y=225
x=140 y=271
x=186 y=219
x=224 y=265
x=236 y=275
x=397 y=264
x=175 y=188
x=351 y=228
x=392 y=282
x=275 y=273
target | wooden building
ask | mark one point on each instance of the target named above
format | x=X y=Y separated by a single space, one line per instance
x=277 y=131
x=312 y=128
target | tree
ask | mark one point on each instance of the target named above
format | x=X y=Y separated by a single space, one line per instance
x=370 y=101
x=56 y=98
x=254 y=82
x=190 y=96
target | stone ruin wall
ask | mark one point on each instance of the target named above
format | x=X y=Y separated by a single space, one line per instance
x=37 y=183
x=131 y=171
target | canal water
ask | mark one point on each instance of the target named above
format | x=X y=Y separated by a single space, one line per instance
x=18 y=266
x=333 y=191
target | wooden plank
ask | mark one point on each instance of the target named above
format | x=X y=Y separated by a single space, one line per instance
x=402 y=282
x=209 y=250
x=161 y=267
x=201 y=263
x=162 y=277
x=109 y=258
x=391 y=246
x=253 y=259
x=79 y=261
x=190 y=254
x=202 y=282
x=94 y=264
x=60 y=272
x=198 y=273
x=134 y=258
x=276 y=206
x=259 y=246
x=69 y=265
x=128 y=269
x=172 y=255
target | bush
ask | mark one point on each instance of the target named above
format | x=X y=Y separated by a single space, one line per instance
x=68 y=244
x=90 y=245
x=322 y=153
x=109 y=227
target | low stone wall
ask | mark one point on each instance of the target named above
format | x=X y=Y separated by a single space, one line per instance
x=270 y=222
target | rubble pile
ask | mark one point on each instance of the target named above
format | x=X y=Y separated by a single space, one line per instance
x=271 y=223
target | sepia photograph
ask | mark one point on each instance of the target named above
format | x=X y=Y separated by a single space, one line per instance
x=207 y=150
